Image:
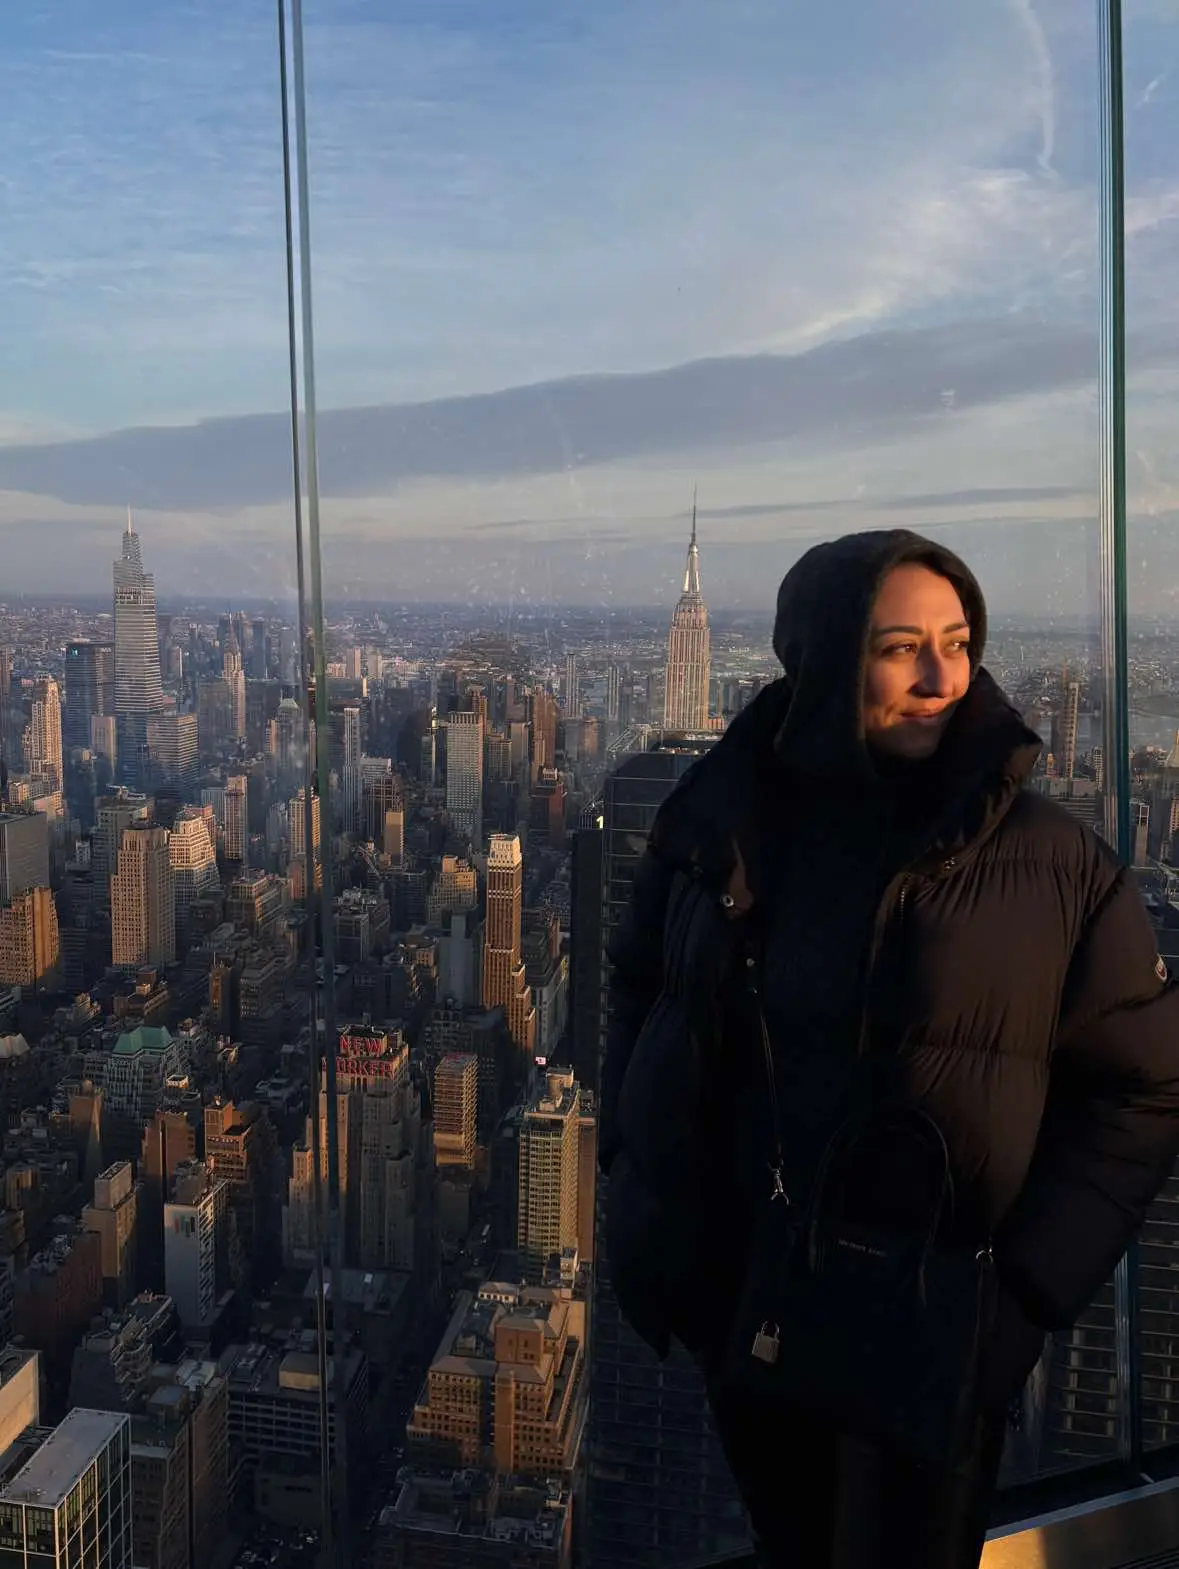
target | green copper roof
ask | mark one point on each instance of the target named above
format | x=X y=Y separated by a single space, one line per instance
x=146 y=1038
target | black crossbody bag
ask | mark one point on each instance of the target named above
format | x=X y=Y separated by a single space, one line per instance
x=874 y=1329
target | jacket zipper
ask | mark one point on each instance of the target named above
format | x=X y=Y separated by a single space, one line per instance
x=778 y=1190
x=883 y=914
x=896 y=894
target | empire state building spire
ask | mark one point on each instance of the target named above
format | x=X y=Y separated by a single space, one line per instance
x=689 y=652
x=692 y=571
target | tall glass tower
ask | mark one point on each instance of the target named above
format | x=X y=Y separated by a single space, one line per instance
x=138 y=689
x=658 y=1493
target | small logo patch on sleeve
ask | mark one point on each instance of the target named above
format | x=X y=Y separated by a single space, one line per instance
x=1160 y=968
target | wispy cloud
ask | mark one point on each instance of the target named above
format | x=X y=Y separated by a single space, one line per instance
x=1043 y=79
x=1151 y=88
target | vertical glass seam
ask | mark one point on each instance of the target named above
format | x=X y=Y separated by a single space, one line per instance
x=322 y=770
x=307 y=945
x=1114 y=614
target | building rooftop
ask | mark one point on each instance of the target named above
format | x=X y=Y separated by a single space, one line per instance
x=12 y=1361
x=289 y=1374
x=373 y=1291
x=63 y=1458
x=146 y=1037
x=532 y=1514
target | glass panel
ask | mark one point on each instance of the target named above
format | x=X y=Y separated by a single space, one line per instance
x=582 y=271
x=149 y=937
x=1152 y=176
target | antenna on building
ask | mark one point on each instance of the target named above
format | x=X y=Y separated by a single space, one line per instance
x=130 y=530
x=692 y=569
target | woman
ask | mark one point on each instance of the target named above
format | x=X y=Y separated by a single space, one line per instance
x=866 y=823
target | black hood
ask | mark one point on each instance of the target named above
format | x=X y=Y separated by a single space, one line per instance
x=821 y=636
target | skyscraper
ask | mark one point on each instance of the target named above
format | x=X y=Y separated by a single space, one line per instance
x=613 y=691
x=688 y=651
x=572 y=687
x=382 y=1152
x=194 y=862
x=351 y=781
x=550 y=1139
x=658 y=1489
x=464 y=774
x=1064 y=728
x=112 y=1213
x=302 y=854
x=42 y=738
x=24 y=853
x=138 y=691
x=191 y=1224
x=89 y=689
x=504 y=984
x=30 y=945
x=114 y=815
x=456 y=1095
x=237 y=819
x=172 y=748
x=290 y=744
x=5 y=699
x=543 y=710
x=143 y=910
x=234 y=677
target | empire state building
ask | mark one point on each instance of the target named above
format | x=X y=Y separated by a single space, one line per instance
x=689 y=650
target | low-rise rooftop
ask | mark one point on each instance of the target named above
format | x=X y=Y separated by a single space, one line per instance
x=63 y=1458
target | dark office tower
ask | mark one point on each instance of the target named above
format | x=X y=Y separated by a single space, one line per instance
x=24 y=853
x=5 y=700
x=138 y=692
x=613 y=688
x=89 y=689
x=572 y=687
x=626 y=698
x=258 y=656
x=544 y=729
x=659 y=1494
x=585 y=955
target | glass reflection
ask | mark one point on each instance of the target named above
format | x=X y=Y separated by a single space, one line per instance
x=539 y=326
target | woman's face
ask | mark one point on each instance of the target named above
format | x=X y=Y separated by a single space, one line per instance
x=918 y=665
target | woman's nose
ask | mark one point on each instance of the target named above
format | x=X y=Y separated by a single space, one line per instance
x=936 y=677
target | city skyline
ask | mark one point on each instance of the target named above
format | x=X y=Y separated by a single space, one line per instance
x=894 y=326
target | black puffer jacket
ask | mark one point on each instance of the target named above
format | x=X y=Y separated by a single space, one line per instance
x=1013 y=985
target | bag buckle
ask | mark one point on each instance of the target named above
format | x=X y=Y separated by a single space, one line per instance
x=779 y=1192
x=766 y=1343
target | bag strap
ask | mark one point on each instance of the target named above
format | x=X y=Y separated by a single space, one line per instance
x=776 y=1162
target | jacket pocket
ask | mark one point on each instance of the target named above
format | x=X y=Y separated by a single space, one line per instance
x=647 y=1269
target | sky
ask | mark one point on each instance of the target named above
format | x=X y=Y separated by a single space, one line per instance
x=567 y=262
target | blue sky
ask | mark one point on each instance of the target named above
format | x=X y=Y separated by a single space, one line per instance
x=513 y=193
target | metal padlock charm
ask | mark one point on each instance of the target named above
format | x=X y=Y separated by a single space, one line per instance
x=765 y=1343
